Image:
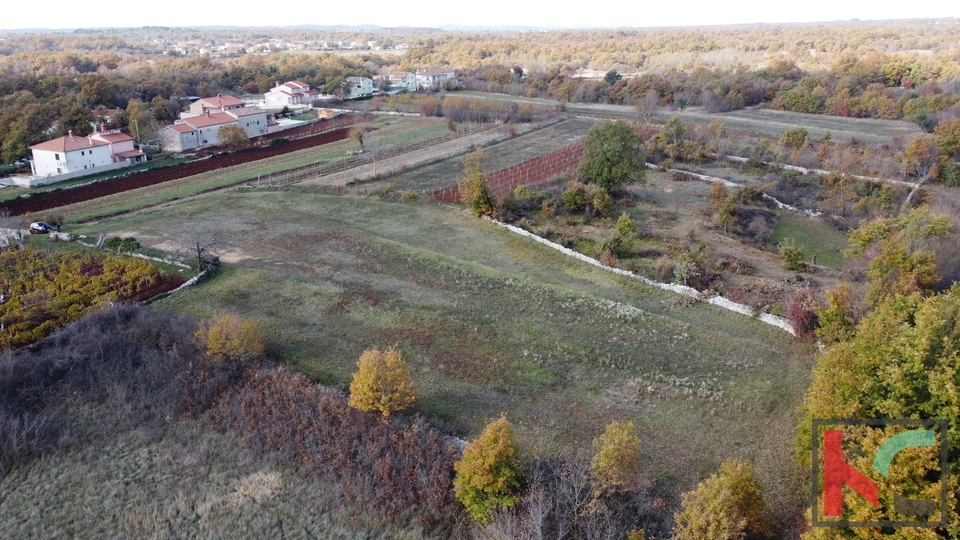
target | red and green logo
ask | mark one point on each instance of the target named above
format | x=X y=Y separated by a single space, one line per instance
x=895 y=472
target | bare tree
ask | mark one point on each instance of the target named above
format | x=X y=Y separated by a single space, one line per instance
x=202 y=246
x=646 y=105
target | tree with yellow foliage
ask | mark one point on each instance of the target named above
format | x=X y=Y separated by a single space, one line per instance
x=488 y=474
x=231 y=338
x=725 y=506
x=616 y=465
x=382 y=383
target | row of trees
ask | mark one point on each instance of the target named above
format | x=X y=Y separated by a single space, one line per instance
x=891 y=354
x=889 y=93
x=606 y=495
x=148 y=91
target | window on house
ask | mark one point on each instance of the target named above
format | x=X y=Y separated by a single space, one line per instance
x=56 y=157
x=81 y=153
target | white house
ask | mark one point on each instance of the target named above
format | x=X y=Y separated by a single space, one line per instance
x=70 y=154
x=290 y=93
x=121 y=146
x=359 y=87
x=196 y=131
x=401 y=80
x=434 y=77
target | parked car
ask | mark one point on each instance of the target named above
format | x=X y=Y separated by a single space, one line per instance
x=39 y=227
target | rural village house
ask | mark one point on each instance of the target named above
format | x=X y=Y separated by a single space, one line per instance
x=198 y=126
x=218 y=104
x=290 y=93
x=434 y=77
x=401 y=80
x=76 y=156
x=359 y=87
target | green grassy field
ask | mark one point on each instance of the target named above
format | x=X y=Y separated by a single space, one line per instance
x=390 y=130
x=813 y=236
x=492 y=323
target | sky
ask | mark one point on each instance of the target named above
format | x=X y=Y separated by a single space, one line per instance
x=68 y=14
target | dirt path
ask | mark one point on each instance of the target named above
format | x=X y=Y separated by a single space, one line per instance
x=413 y=159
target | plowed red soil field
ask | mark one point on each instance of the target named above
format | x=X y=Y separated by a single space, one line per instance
x=39 y=203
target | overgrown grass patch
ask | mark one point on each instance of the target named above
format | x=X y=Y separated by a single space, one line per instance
x=813 y=236
x=519 y=149
x=492 y=323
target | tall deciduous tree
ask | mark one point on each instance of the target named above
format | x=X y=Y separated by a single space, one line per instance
x=920 y=156
x=905 y=262
x=75 y=118
x=488 y=474
x=647 y=105
x=613 y=155
x=948 y=137
x=382 y=383
x=616 y=466
x=356 y=135
x=233 y=136
x=903 y=361
x=473 y=188
x=725 y=506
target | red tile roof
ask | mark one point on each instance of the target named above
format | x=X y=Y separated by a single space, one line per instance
x=221 y=101
x=130 y=153
x=298 y=84
x=214 y=119
x=68 y=144
x=114 y=137
x=182 y=128
x=103 y=113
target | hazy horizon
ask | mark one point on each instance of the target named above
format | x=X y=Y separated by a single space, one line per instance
x=496 y=14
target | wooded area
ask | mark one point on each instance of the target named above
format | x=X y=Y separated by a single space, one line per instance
x=908 y=70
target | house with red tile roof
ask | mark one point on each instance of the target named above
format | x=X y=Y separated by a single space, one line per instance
x=197 y=131
x=290 y=93
x=121 y=146
x=218 y=104
x=70 y=154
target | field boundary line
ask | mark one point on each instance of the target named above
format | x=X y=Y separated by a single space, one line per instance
x=728 y=183
x=719 y=301
x=804 y=170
